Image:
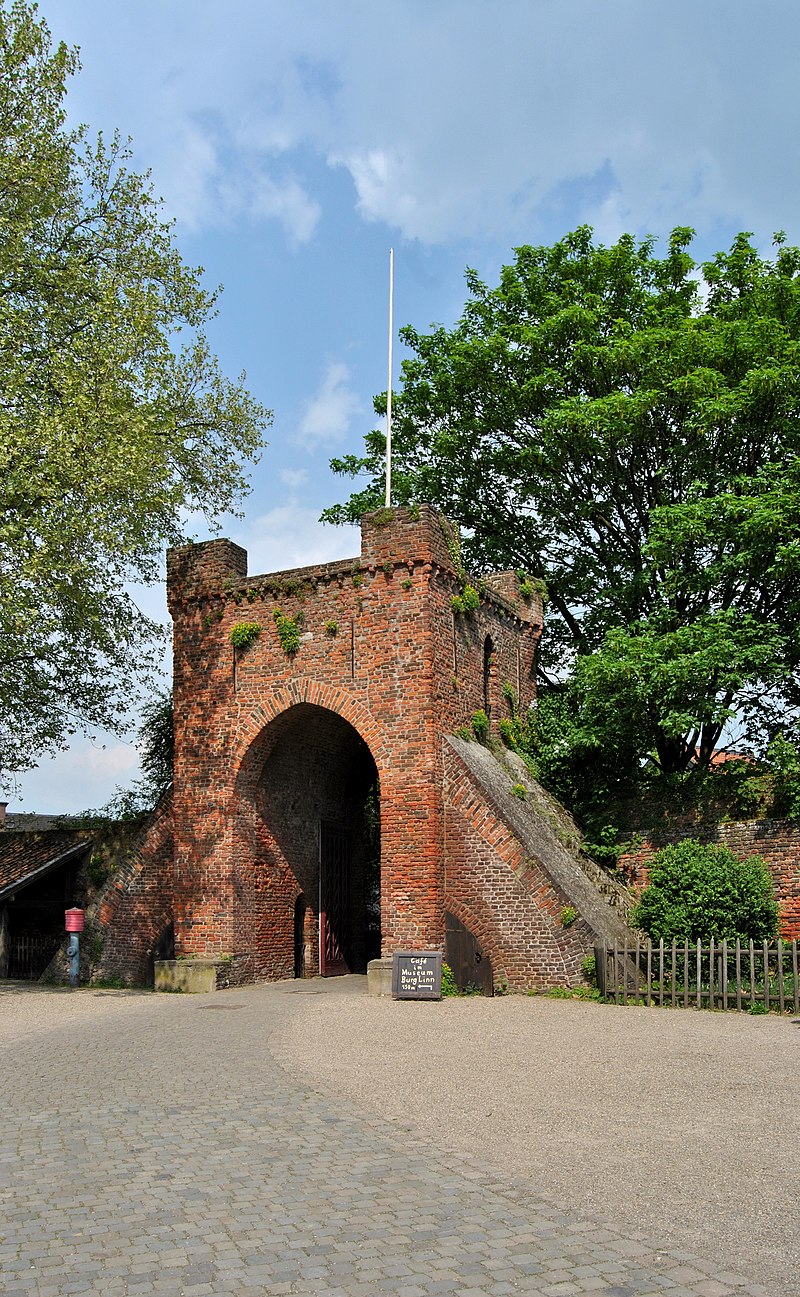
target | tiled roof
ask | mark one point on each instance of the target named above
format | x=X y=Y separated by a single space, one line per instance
x=24 y=856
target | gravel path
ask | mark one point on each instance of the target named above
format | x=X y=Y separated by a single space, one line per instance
x=302 y=1138
x=675 y=1124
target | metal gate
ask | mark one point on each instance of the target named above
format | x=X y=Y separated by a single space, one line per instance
x=29 y=954
x=335 y=915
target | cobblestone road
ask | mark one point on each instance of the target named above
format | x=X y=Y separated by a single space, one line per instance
x=153 y=1145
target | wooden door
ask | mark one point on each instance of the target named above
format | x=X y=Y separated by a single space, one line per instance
x=469 y=964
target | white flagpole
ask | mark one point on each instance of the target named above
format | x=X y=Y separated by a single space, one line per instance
x=389 y=386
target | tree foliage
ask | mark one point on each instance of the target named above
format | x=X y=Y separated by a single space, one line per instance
x=698 y=892
x=114 y=415
x=601 y=423
x=156 y=744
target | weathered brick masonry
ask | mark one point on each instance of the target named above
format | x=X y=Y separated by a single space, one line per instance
x=513 y=866
x=281 y=751
x=269 y=743
x=133 y=913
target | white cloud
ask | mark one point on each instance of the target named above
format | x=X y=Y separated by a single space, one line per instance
x=460 y=119
x=288 y=203
x=292 y=536
x=117 y=760
x=294 y=477
x=213 y=182
x=190 y=176
x=326 y=416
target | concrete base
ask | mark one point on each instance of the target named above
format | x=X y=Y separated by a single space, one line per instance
x=379 y=976
x=194 y=976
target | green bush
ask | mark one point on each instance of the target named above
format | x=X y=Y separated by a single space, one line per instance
x=480 y=725
x=244 y=633
x=698 y=892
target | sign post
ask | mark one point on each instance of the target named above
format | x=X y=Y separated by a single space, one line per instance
x=417 y=975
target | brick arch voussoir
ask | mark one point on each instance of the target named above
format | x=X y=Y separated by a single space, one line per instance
x=252 y=724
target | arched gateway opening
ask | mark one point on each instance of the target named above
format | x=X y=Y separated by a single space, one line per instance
x=309 y=847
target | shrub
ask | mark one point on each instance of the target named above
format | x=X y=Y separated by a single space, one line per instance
x=448 y=981
x=244 y=633
x=698 y=892
x=480 y=725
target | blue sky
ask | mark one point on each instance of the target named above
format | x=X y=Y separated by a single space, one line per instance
x=295 y=141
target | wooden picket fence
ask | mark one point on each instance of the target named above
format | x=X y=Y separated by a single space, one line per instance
x=718 y=975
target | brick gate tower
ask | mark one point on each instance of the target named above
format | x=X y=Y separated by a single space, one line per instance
x=311 y=708
x=329 y=803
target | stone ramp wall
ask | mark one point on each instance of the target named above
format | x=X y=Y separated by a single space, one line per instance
x=512 y=865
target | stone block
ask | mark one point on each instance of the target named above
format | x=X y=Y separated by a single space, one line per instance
x=194 y=976
x=379 y=977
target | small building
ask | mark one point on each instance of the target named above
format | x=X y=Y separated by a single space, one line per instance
x=40 y=877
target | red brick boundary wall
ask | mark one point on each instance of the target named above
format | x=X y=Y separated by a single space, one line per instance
x=134 y=911
x=778 y=841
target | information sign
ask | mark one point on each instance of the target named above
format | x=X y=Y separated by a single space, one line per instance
x=417 y=975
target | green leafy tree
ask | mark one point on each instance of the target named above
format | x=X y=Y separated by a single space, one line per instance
x=599 y=422
x=114 y=415
x=593 y=773
x=156 y=744
x=698 y=892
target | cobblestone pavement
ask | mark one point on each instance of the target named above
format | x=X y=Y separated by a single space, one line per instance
x=153 y=1144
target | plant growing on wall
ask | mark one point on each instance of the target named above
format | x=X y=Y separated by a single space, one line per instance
x=467 y=601
x=480 y=725
x=244 y=633
x=510 y=695
x=288 y=632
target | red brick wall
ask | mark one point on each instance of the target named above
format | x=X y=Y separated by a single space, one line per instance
x=383 y=649
x=136 y=907
x=778 y=841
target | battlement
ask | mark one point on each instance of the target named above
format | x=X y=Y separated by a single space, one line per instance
x=416 y=537
x=202 y=568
